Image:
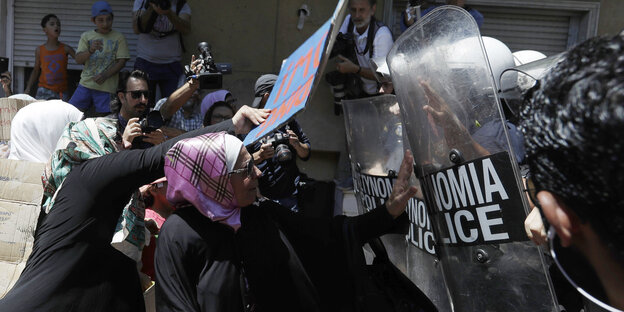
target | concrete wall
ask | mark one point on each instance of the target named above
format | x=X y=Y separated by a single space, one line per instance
x=255 y=36
x=610 y=18
x=611 y=13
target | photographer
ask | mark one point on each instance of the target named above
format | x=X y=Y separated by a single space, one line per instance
x=280 y=174
x=129 y=106
x=369 y=39
x=160 y=24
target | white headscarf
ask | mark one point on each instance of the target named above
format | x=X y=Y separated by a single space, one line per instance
x=37 y=127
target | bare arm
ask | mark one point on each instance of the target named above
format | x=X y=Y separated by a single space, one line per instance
x=111 y=70
x=455 y=133
x=302 y=149
x=182 y=23
x=367 y=73
x=135 y=23
x=82 y=57
x=143 y=18
x=178 y=98
x=181 y=95
x=70 y=51
x=91 y=46
x=266 y=151
x=346 y=67
x=35 y=73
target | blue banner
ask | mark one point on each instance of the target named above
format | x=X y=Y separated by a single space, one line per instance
x=297 y=78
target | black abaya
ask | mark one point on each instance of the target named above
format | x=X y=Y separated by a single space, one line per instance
x=72 y=266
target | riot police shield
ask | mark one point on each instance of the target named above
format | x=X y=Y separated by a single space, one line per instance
x=470 y=179
x=376 y=145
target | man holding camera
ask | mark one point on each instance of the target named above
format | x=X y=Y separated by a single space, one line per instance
x=371 y=40
x=160 y=24
x=131 y=104
x=274 y=154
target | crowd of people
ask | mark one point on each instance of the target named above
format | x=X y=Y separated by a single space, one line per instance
x=163 y=189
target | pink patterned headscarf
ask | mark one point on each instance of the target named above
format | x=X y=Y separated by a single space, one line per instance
x=197 y=171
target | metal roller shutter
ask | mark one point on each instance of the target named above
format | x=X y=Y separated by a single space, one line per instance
x=548 y=30
x=75 y=16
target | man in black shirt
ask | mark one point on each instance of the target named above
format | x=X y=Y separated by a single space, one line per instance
x=279 y=176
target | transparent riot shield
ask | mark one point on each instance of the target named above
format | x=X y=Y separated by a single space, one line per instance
x=376 y=146
x=469 y=176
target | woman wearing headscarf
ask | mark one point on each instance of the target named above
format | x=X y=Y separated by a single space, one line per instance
x=216 y=107
x=73 y=266
x=37 y=127
x=222 y=250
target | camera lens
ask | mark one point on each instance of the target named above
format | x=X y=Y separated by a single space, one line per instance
x=283 y=153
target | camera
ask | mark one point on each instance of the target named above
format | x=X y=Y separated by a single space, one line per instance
x=152 y=121
x=280 y=144
x=211 y=74
x=149 y=123
x=344 y=86
x=345 y=46
x=162 y=4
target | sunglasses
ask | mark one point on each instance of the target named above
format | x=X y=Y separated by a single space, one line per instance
x=248 y=170
x=138 y=93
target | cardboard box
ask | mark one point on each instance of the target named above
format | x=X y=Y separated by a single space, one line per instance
x=20 y=198
x=8 y=109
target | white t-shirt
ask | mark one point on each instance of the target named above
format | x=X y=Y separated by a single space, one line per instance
x=382 y=44
x=155 y=49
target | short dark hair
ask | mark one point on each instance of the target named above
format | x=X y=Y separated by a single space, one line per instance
x=115 y=104
x=46 y=18
x=209 y=112
x=573 y=124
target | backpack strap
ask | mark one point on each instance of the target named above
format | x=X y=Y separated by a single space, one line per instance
x=374 y=26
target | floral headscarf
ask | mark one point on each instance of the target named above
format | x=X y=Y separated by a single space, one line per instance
x=79 y=142
x=197 y=170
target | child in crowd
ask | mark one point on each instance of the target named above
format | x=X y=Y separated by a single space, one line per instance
x=104 y=53
x=51 y=63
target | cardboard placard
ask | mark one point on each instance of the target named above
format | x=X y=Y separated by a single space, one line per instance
x=8 y=109
x=299 y=76
x=20 y=198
